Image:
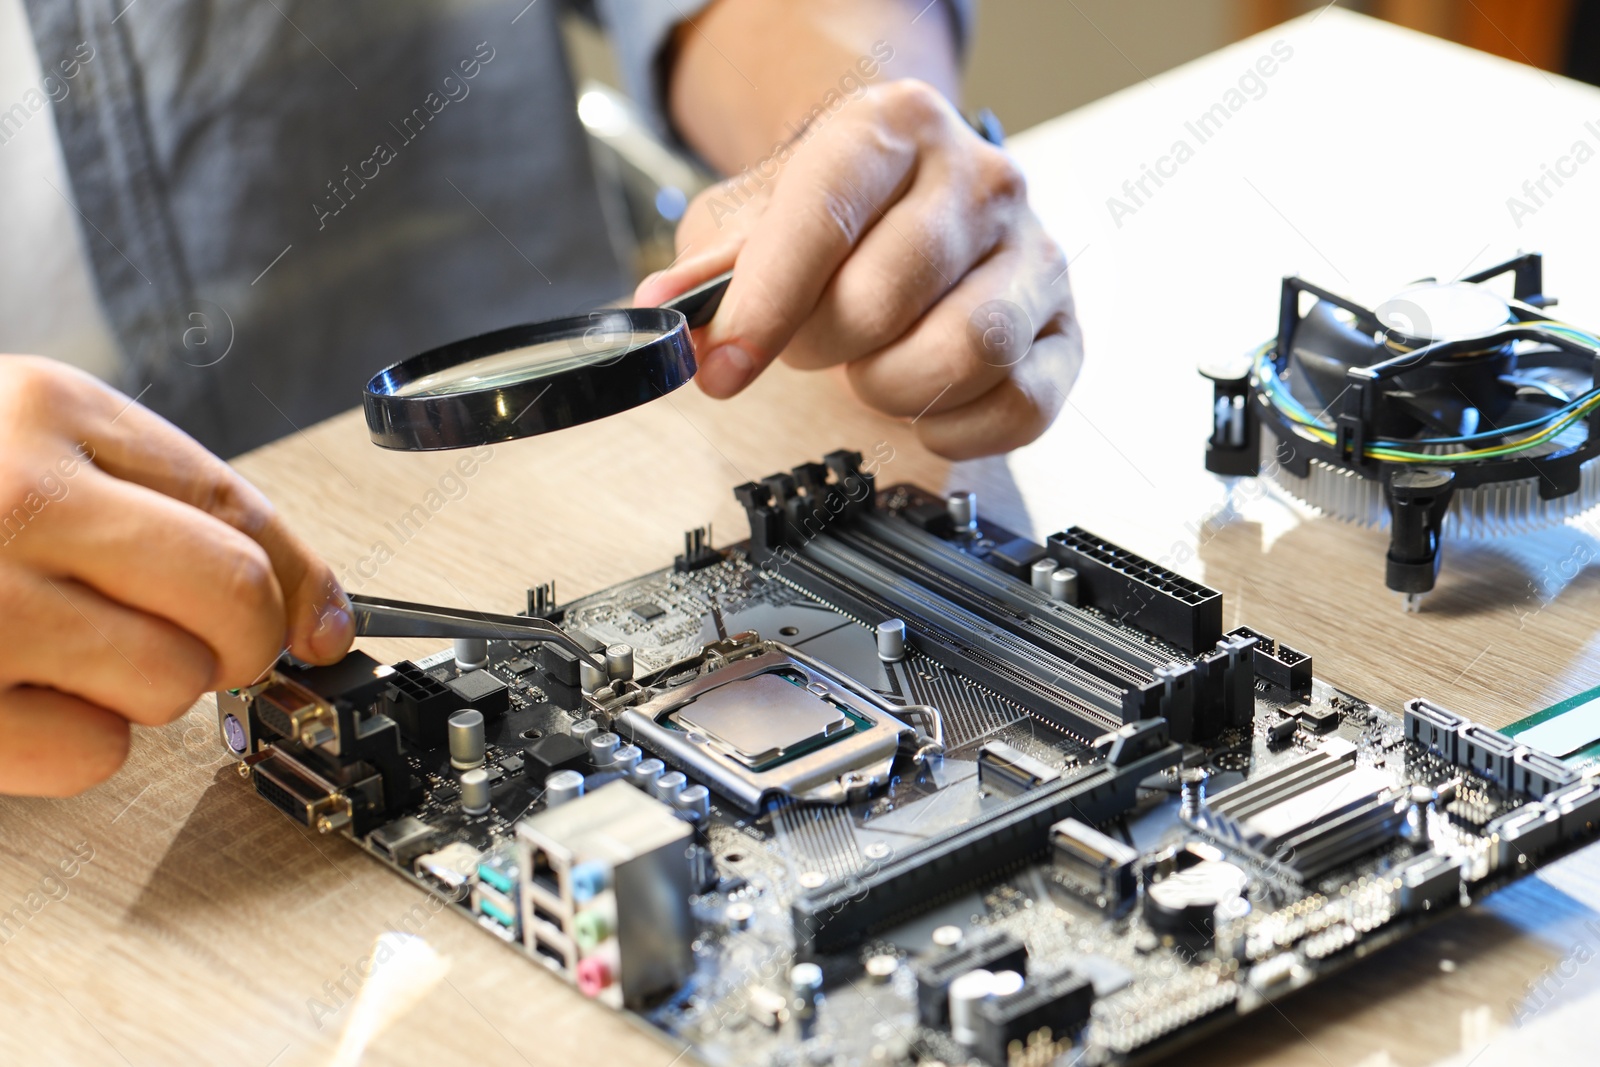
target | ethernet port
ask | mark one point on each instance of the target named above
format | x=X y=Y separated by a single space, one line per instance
x=544 y=874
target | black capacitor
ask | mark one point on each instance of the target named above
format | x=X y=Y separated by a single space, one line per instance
x=1184 y=904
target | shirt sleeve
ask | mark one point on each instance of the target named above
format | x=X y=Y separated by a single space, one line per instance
x=640 y=30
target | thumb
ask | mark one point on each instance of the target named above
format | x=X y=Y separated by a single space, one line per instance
x=725 y=369
x=321 y=623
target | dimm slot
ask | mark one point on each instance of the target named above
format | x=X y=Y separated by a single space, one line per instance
x=1033 y=628
x=1020 y=597
x=928 y=606
x=1048 y=701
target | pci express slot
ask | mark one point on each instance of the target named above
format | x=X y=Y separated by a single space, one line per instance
x=962 y=654
x=1117 y=668
x=923 y=610
x=1008 y=594
x=839 y=917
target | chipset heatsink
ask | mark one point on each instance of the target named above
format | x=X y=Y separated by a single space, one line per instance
x=776 y=723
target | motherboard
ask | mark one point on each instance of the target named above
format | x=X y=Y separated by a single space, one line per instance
x=886 y=783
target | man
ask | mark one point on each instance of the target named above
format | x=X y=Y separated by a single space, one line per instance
x=341 y=185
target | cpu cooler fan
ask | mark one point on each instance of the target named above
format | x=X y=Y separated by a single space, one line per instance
x=1446 y=411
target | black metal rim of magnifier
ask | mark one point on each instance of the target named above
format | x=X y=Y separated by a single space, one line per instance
x=658 y=358
x=610 y=385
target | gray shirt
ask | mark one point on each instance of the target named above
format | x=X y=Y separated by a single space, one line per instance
x=280 y=197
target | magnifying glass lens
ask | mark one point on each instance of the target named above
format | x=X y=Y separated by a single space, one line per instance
x=534 y=362
x=535 y=378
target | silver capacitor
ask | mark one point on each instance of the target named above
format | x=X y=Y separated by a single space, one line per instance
x=968 y=991
x=625 y=759
x=646 y=773
x=668 y=786
x=584 y=729
x=619 y=661
x=805 y=982
x=1006 y=984
x=892 y=640
x=695 y=802
x=1039 y=574
x=882 y=967
x=963 y=509
x=465 y=731
x=471 y=652
x=591 y=677
x=1064 y=585
x=561 y=787
x=475 y=791
x=602 y=749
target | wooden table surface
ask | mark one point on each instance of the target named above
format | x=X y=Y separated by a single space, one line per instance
x=197 y=924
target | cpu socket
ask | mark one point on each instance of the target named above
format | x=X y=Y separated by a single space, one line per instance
x=775 y=723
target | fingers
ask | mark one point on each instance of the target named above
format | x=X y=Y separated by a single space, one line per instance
x=151 y=573
x=899 y=245
x=136 y=445
x=921 y=249
x=55 y=745
x=830 y=195
x=966 y=345
x=86 y=645
x=1013 y=413
x=321 y=625
x=162 y=558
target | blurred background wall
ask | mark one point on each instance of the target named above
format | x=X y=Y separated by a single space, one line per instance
x=1034 y=59
x=1038 y=58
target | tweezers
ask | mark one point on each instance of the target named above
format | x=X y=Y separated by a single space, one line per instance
x=377 y=617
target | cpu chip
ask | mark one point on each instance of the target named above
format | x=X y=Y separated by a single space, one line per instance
x=775 y=724
x=762 y=719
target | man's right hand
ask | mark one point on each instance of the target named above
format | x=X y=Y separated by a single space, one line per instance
x=137 y=572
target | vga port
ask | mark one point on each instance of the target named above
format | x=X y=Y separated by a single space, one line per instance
x=300 y=794
x=290 y=713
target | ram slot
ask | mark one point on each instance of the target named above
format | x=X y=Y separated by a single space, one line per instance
x=1007 y=593
x=1038 y=631
x=919 y=607
x=947 y=645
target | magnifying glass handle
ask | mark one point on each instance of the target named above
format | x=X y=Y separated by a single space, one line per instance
x=701 y=302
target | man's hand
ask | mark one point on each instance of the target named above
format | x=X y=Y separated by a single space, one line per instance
x=887 y=238
x=138 y=571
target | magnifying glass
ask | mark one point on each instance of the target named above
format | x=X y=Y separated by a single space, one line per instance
x=535 y=378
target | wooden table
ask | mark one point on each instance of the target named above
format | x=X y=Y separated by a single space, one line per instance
x=205 y=922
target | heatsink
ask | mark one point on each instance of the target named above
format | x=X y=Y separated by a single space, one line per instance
x=1477 y=512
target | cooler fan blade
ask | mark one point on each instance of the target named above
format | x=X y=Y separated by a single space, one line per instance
x=1445 y=415
x=1325 y=348
x=1535 y=384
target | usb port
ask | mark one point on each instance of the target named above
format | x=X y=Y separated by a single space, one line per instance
x=497 y=878
x=493 y=906
x=496 y=912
